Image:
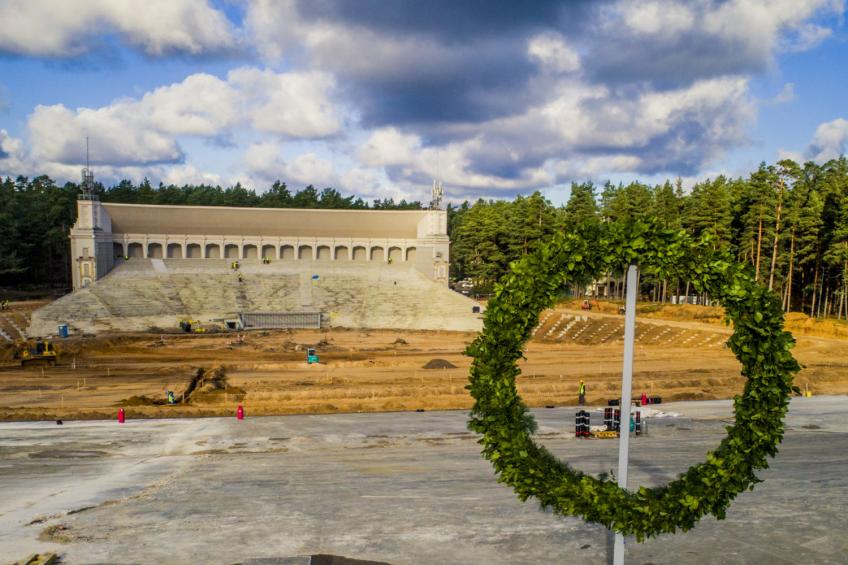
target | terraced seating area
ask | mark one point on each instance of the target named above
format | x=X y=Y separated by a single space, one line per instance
x=140 y=294
x=10 y=328
x=586 y=329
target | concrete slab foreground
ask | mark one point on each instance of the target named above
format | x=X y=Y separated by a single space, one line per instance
x=395 y=488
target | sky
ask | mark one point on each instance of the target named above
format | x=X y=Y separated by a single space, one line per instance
x=378 y=98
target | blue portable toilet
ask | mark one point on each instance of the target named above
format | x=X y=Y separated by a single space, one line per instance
x=63 y=330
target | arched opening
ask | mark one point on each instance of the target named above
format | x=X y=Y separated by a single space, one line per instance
x=395 y=254
x=154 y=250
x=231 y=251
x=213 y=251
x=287 y=252
x=135 y=250
x=410 y=254
x=175 y=251
x=250 y=252
x=269 y=252
x=305 y=252
x=323 y=253
x=342 y=253
x=376 y=253
x=193 y=251
x=118 y=250
x=360 y=254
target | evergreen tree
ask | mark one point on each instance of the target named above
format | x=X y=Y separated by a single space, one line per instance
x=581 y=214
x=708 y=210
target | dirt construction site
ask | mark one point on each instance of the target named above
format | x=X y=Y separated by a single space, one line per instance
x=314 y=482
x=385 y=370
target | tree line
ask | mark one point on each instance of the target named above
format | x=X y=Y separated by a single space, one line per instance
x=788 y=221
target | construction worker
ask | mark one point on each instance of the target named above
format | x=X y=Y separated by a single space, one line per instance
x=581 y=393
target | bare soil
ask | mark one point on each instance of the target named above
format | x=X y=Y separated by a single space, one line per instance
x=375 y=371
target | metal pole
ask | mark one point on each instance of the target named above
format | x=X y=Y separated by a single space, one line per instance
x=626 y=393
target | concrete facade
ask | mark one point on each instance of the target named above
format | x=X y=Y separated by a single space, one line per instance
x=105 y=231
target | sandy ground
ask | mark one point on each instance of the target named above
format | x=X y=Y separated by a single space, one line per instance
x=401 y=488
x=377 y=371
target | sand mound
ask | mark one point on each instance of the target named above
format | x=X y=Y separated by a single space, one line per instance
x=439 y=364
x=211 y=386
x=799 y=323
x=139 y=400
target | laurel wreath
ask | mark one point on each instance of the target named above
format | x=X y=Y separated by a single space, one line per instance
x=758 y=341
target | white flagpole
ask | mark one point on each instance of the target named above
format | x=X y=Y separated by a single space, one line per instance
x=626 y=395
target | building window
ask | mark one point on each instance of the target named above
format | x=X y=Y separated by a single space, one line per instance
x=86 y=269
x=85 y=251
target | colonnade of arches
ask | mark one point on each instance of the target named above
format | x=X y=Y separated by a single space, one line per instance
x=291 y=252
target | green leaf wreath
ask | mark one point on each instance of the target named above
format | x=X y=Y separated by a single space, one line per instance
x=507 y=427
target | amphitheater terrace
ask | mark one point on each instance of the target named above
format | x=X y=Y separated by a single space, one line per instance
x=141 y=267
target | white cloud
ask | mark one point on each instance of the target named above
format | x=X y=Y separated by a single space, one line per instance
x=145 y=131
x=64 y=28
x=591 y=167
x=309 y=168
x=656 y=17
x=757 y=25
x=12 y=155
x=180 y=175
x=201 y=104
x=275 y=26
x=553 y=53
x=295 y=104
x=119 y=136
x=264 y=160
x=830 y=141
x=389 y=146
x=786 y=94
x=264 y=163
x=791 y=155
x=584 y=130
x=806 y=37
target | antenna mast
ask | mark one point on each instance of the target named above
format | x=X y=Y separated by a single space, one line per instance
x=437 y=201
x=87 y=178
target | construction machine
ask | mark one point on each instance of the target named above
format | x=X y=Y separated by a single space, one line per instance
x=192 y=326
x=311 y=356
x=36 y=352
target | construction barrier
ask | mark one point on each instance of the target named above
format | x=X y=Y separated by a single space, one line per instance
x=582 y=423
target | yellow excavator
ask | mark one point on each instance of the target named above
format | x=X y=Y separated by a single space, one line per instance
x=36 y=352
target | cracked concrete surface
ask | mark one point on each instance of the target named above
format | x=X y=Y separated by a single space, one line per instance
x=397 y=487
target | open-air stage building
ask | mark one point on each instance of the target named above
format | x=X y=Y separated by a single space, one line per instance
x=141 y=267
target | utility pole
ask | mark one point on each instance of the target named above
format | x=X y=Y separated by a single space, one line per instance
x=626 y=395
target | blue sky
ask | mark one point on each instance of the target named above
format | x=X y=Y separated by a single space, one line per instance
x=377 y=98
